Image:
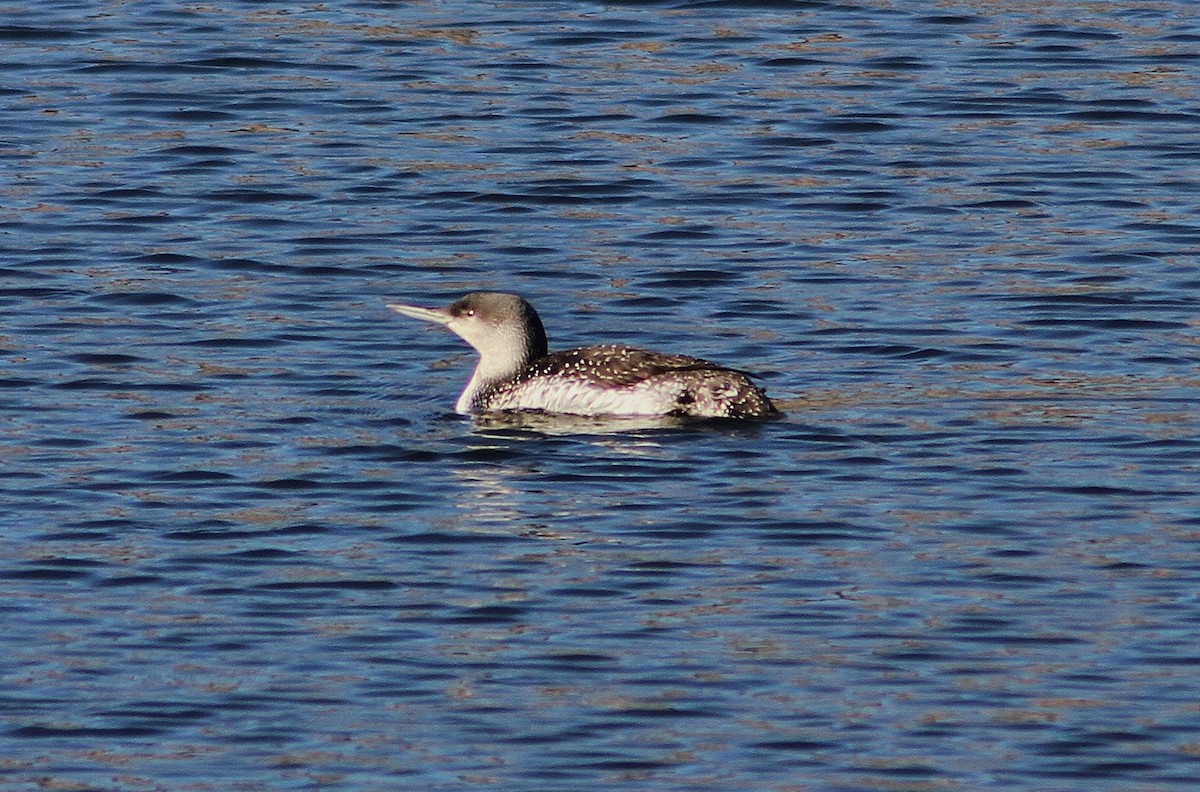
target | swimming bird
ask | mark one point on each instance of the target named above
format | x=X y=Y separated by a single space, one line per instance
x=517 y=372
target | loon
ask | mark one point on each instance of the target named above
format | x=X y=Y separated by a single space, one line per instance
x=517 y=372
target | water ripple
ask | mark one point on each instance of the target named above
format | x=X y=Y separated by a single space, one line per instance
x=250 y=544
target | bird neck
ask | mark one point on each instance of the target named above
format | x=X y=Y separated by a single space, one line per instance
x=499 y=362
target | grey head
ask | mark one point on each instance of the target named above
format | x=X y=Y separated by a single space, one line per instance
x=503 y=328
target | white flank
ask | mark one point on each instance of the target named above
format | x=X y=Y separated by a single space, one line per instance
x=581 y=397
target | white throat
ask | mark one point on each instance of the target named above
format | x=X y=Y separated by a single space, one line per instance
x=503 y=352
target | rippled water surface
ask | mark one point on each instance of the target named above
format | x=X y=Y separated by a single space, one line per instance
x=247 y=545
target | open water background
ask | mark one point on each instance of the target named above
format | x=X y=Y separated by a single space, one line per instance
x=246 y=546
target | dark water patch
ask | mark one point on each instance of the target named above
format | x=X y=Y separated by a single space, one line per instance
x=656 y=567
x=902 y=351
x=1110 y=491
x=89 y=383
x=612 y=35
x=1176 y=660
x=556 y=198
x=23 y=33
x=288 y=484
x=40 y=292
x=167 y=261
x=691 y=278
x=150 y=415
x=142 y=298
x=26 y=273
x=578 y=661
x=792 y=61
x=123 y=581
x=106 y=197
x=678 y=234
x=526 y=251
x=1139 y=301
x=490 y=614
x=194 y=475
x=106 y=732
x=224 y=531
x=245 y=62
x=167 y=712
x=387 y=452
x=488 y=454
x=323 y=585
x=1165 y=360
x=849 y=125
x=792 y=141
x=1133 y=115
x=1055 y=31
x=437 y=538
x=253 y=197
x=1081 y=325
x=849 y=207
x=1003 y=203
x=898 y=63
x=196 y=115
x=99 y=384
x=793 y=745
x=742 y=309
x=202 y=166
x=63 y=442
x=235 y=343
x=587 y=592
x=45 y=574
x=201 y=150
x=691 y=118
x=260 y=555
x=104 y=526
x=949 y=19
x=816 y=532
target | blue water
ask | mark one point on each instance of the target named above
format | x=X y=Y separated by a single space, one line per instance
x=247 y=545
